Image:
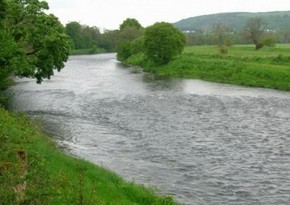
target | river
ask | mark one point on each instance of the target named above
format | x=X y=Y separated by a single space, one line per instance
x=203 y=143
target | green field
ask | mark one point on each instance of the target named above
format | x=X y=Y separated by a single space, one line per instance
x=56 y=178
x=268 y=67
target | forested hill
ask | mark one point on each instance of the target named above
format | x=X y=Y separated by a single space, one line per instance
x=278 y=20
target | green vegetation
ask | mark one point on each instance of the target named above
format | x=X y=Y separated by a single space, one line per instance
x=89 y=40
x=129 y=31
x=130 y=22
x=32 y=168
x=157 y=44
x=254 y=30
x=55 y=178
x=33 y=44
x=87 y=51
x=162 y=42
x=268 y=67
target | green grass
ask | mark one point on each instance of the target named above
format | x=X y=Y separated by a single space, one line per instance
x=57 y=178
x=268 y=67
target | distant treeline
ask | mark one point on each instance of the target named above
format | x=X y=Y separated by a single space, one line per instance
x=86 y=37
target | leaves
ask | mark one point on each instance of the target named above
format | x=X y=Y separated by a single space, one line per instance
x=37 y=40
x=162 y=42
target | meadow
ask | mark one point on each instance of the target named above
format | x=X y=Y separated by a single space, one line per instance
x=268 y=67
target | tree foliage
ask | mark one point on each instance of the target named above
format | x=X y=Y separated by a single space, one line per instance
x=33 y=44
x=83 y=36
x=130 y=30
x=130 y=22
x=162 y=42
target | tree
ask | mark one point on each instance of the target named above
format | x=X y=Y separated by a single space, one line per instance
x=254 y=30
x=8 y=49
x=74 y=31
x=221 y=37
x=162 y=42
x=130 y=30
x=83 y=36
x=37 y=43
x=108 y=40
x=2 y=9
x=130 y=22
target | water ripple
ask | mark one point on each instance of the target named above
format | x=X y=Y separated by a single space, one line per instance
x=204 y=143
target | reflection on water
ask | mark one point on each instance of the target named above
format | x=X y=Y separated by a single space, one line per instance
x=205 y=143
x=155 y=83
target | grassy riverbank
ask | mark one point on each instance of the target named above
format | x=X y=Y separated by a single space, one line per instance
x=268 y=67
x=55 y=178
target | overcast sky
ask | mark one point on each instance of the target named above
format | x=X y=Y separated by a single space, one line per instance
x=109 y=14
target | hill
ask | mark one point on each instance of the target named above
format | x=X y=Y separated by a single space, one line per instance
x=275 y=20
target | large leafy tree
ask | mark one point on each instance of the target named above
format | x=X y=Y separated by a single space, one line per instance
x=162 y=42
x=74 y=30
x=33 y=43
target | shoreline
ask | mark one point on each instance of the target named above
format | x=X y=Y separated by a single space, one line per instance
x=265 y=68
x=55 y=177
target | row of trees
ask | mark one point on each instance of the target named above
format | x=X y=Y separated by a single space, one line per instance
x=255 y=31
x=86 y=37
x=159 y=42
x=33 y=44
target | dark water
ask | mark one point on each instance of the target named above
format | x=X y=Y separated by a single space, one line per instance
x=204 y=143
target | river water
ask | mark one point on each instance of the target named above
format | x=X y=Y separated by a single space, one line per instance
x=203 y=143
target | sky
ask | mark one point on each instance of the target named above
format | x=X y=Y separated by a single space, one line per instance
x=109 y=14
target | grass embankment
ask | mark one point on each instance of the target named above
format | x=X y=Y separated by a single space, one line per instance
x=268 y=67
x=54 y=177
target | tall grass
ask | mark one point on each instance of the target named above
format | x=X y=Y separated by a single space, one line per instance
x=56 y=178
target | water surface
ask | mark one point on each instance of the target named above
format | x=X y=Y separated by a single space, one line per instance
x=202 y=142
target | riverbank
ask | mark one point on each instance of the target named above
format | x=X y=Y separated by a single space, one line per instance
x=268 y=67
x=34 y=166
x=87 y=51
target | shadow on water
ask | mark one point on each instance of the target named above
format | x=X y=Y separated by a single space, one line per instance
x=162 y=83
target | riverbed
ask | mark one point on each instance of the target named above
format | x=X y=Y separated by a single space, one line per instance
x=201 y=142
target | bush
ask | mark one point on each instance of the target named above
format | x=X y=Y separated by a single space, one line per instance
x=223 y=50
x=269 y=41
